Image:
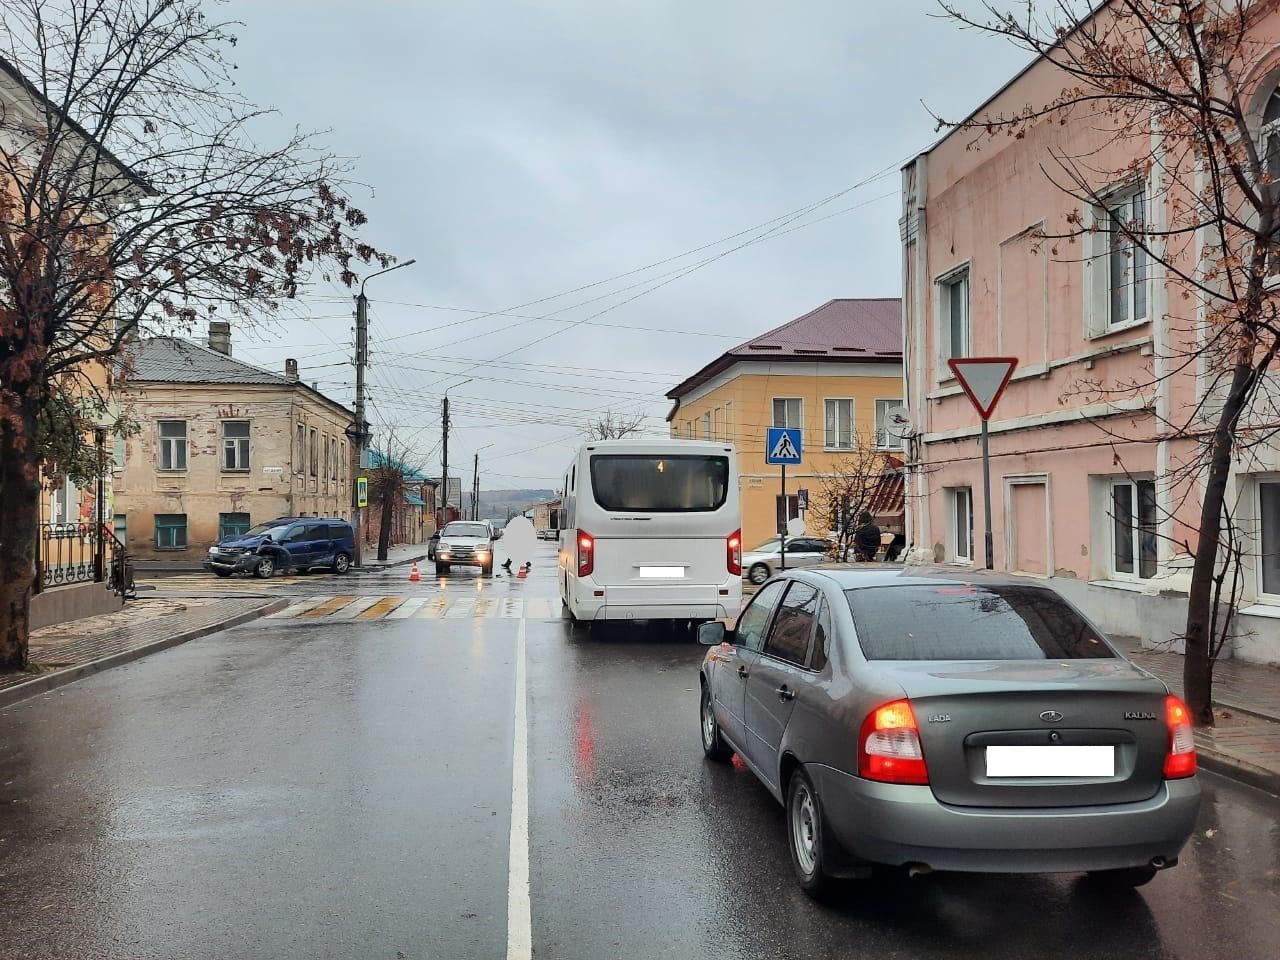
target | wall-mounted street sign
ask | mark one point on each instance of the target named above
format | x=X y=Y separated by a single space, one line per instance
x=983 y=379
x=362 y=491
x=782 y=446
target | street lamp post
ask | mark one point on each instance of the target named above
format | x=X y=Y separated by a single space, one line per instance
x=100 y=507
x=444 y=458
x=360 y=432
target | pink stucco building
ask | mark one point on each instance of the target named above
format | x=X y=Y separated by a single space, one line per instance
x=1080 y=484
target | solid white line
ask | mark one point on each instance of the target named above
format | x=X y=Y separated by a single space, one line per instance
x=519 y=922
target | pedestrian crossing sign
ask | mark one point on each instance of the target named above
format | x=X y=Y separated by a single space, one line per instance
x=782 y=446
x=362 y=491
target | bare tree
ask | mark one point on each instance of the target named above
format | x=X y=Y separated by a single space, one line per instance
x=399 y=472
x=134 y=191
x=614 y=426
x=845 y=490
x=1170 y=93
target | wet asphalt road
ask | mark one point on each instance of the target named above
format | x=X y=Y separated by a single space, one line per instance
x=326 y=789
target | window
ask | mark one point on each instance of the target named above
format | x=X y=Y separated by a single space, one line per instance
x=171 y=531
x=232 y=525
x=1269 y=521
x=300 y=455
x=789 y=638
x=333 y=460
x=953 y=309
x=173 y=444
x=728 y=421
x=838 y=425
x=654 y=484
x=315 y=454
x=788 y=412
x=755 y=619
x=688 y=429
x=706 y=426
x=1271 y=146
x=884 y=439
x=1126 y=260
x=787 y=511
x=326 y=448
x=1133 y=528
x=962 y=621
x=717 y=424
x=961 y=520
x=235 y=445
x=821 y=639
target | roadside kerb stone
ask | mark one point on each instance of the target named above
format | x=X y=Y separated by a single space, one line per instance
x=123 y=645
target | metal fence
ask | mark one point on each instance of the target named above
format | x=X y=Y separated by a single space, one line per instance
x=67 y=553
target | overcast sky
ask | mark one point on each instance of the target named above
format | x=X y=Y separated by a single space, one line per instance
x=520 y=150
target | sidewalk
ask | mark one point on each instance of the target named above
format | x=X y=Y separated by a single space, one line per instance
x=1245 y=743
x=398 y=556
x=66 y=652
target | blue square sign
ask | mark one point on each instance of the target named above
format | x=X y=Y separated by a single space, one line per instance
x=782 y=446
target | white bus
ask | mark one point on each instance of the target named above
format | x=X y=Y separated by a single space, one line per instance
x=651 y=530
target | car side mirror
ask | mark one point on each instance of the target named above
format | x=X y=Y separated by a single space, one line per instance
x=712 y=634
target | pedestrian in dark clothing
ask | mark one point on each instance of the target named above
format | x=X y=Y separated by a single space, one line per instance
x=894 y=550
x=866 y=538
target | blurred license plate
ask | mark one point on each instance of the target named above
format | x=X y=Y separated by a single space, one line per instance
x=662 y=573
x=1051 y=761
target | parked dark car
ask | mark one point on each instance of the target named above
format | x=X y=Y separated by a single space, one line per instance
x=284 y=544
x=930 y=723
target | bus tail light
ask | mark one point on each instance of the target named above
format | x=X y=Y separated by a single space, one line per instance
x=586 y=553
x=733 y=553
x=889 y=747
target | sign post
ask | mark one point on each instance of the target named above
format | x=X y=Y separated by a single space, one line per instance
x=783 y=446
x=983 y=379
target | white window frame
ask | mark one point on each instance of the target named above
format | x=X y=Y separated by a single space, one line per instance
x=1135 y=531
x=706 y=426
x=942 y=285
x=888 y=442
x=853 y=423
x=1256 y=483
x=773 y=415
x=1097 y=264
x=173 y=445
x=728 y=421
x=688 y=429
x=238 y=444
x=953 y=546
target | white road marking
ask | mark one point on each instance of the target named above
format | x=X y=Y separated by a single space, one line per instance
x=537 y=608
x=300 y=606
x=459 y=609
x=519 y=918
x=353 y=609
x=407 y=609
x=512 y=609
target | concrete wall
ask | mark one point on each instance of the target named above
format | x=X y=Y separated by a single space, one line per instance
x=73 y=602
x=279 y=481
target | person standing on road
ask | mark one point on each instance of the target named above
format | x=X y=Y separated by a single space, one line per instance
x=866 y=538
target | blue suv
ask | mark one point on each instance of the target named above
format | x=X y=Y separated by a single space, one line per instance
x=287 y=543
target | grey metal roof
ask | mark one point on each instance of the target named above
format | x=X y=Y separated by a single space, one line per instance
x=174 y=360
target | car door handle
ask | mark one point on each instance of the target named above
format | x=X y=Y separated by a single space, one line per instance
x=743 y=672
x=785 y=693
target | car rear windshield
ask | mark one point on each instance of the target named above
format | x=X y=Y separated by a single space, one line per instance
x=655 y=484
x=966 y=622
x=466 y=530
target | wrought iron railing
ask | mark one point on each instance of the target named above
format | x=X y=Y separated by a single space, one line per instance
x=68 y=553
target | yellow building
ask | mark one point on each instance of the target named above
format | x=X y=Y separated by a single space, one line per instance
x=833 y=372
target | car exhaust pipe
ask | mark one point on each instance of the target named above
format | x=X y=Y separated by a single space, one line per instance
x=1164 y=863
x=919 y=870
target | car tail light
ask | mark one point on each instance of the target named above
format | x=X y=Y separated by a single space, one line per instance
x=733 y=553
x=586 y=553
x=889 y=746
x=1180 y=761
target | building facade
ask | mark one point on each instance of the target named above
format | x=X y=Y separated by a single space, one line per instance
x=220 y=446
x=834 y=372
x=1081 y=482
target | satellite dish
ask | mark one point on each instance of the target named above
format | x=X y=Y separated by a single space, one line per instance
x=897 y=422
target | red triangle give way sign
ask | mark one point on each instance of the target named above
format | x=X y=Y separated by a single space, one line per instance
x=983 y=379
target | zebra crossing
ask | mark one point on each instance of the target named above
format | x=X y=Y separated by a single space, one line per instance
x=352 y=607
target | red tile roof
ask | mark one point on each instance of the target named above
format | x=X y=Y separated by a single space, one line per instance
x=839 y=331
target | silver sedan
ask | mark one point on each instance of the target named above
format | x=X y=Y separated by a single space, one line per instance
x=936 y=724
x=764 y=561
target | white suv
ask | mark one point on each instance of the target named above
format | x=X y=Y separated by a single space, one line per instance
x=466 y=543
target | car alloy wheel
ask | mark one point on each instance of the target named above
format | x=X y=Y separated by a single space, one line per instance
x=758 y=574
x=341 y=563
x=265 y=569
x=712 y=744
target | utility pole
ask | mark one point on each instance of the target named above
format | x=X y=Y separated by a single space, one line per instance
x=444 y=467
x=359 y=433
x=361 y=437
x=475 y=488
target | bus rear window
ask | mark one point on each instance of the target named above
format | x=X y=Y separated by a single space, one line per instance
x=656 y=484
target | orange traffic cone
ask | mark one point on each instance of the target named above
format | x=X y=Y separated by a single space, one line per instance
x=522 y=573
x=414 y=575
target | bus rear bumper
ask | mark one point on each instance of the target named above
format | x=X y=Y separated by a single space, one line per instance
x=710 y=602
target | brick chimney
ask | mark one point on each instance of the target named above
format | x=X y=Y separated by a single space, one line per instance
x=220 y=337
x=291 y=369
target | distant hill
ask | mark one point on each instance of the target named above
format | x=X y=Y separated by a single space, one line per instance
x=496 y=503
